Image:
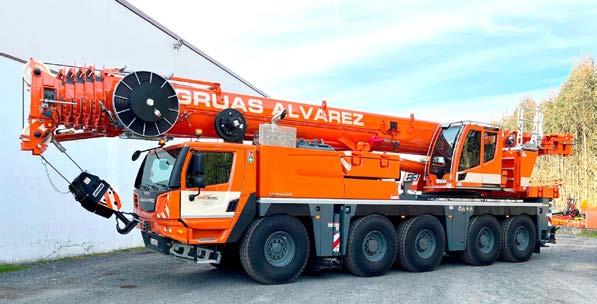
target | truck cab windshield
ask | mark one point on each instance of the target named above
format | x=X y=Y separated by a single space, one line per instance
x=441 y=160
x=157 y=168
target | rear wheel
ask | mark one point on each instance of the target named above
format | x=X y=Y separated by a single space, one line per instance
x=483 y=241
x=275 y=249
x=421 y=243
x=518 y=238
x=371 y=248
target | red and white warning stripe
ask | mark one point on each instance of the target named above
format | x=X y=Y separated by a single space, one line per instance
x=111 y=200
x=336 y=243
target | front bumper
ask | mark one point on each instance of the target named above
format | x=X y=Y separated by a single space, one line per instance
x=199 y=254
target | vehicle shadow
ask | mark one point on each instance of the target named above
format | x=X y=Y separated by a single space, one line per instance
x=189 y=277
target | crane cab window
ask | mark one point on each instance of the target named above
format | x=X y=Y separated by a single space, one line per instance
x=441 y=160
x=489 y=142
x=217 y=168
x=471 y=151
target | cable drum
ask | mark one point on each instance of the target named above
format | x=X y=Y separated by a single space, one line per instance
x=231 y=125
x=145 y=104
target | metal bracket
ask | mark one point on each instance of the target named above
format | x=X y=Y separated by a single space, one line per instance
x=178 y=44
x=199 y=254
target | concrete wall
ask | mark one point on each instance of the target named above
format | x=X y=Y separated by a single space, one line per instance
x=35 y=221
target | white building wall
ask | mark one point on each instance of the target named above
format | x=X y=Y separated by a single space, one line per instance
x=37 y=222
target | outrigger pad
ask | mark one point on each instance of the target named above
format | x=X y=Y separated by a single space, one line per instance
x=89 y=190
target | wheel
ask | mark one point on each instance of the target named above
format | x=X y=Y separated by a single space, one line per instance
x=518 y=238
x=371 y=248
x=230 y=258
x=421 y=243
x=275 y=249
x=483 y=241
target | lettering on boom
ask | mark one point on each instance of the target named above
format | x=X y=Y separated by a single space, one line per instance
x=255 y=106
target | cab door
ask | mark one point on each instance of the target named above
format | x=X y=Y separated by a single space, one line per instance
x=469 y=169
x=479 y=163
x=492 y=158
x=220 y=185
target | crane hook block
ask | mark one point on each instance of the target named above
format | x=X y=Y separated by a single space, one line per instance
x=145 y=104
x=97 y=196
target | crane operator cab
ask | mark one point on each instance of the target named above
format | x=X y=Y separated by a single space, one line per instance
x=476 y=158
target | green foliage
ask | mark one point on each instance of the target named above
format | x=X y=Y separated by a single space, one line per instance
x=573 y=110
x=589 y=233
x=12 y=267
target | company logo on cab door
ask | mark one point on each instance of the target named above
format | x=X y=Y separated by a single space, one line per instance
x=208 y=197
x=255 y=105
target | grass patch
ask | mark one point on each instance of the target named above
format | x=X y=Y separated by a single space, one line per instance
x=588 y=233
x=12 y=267
x=16 y=267
x=89 y=255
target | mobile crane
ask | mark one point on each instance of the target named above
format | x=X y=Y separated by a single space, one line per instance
x=318 y=184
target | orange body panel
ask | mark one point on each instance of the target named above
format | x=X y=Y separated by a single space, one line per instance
x=289 y=172
x=370 y=189
x=308 y=173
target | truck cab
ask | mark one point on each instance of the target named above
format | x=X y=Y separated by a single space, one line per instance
x=192 y=193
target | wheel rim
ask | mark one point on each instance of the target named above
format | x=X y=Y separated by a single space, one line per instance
x=521 y=238
x=425 y=243
x=375 y=246
x=485 y=240
x=279 y=249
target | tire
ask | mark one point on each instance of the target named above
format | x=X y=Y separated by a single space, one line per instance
x=275 y=249
x=421 y=243
x=519 y=237
x=483 y=241
x=230 y=260
x=371 y=248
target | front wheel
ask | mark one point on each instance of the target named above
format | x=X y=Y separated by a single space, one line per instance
x=275 y=249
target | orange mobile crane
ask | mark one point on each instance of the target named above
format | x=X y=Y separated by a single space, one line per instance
x=318 y=184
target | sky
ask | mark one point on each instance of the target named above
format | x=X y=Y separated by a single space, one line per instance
x=441 y=60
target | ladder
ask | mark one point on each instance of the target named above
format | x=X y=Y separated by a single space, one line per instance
x=532 y=126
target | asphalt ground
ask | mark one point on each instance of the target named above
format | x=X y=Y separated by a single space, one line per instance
x=564 y=273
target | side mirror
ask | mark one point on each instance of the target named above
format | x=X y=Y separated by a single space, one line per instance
x=196 y=175
x=136 y=155
x=439 y=160
x=198 y=181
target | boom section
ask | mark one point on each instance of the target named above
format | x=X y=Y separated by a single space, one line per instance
x=82 y=102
